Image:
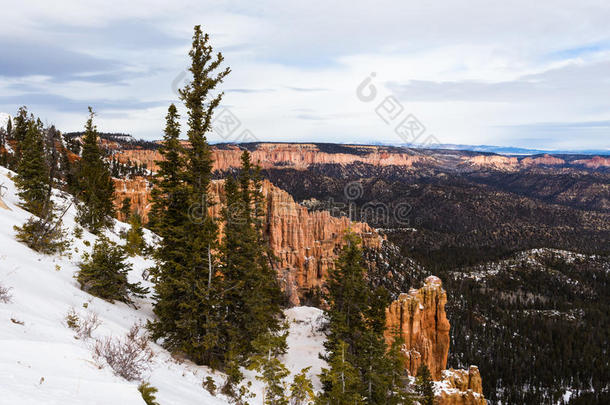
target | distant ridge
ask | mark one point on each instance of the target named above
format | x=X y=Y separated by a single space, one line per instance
x=510 y=150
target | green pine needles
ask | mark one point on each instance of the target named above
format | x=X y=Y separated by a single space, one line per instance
x=103 y=273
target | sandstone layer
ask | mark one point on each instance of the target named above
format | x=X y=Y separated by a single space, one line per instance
x=268 y=155
x=305 y=244
x=419 y=318
x=461 y=387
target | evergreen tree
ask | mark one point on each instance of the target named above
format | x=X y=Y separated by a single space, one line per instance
x=134 y=238
x=301 y=389
x=32 y=178
x=125 y=209
x=272 y=372
x=103 y=273
x=425 y=388
x=253 y=296
x=96 y=187
x=200 y=297
x=20 y=129
x=356 y=325
x=341 y=381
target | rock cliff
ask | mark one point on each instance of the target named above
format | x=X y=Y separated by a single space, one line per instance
x=296 y=156
x=419 y=318
x=138 y=190
x=305 y=244
x=460 y=387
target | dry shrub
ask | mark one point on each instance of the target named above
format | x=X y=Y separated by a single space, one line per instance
x=129 y=357
x=5 y=294
x=84 y=326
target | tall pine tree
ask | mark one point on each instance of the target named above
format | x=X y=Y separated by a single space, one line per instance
x=96 y=189
x=198 y=316
x=32 y=171
x=253 y=297
x=356 y=315
x=170 y=208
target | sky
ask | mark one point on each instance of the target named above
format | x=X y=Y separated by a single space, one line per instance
x=532 y=74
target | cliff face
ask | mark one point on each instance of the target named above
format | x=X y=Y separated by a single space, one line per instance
x=300 y=156
x=420 y=319
x=419 y=316
x=305 y=244
x=138 y=190
x=296 y=156
x=461 y=387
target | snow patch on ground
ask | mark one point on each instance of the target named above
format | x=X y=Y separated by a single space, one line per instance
x=41 y=361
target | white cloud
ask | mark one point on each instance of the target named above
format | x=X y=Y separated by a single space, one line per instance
x=474 y=72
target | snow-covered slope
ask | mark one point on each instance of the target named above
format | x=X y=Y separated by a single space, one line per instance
x=41 y=361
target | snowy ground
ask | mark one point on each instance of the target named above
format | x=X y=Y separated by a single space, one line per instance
x=41 y=361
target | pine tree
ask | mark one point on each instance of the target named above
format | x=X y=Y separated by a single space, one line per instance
x=134 y=238
x=32 y=178
x=425 y=386
x=103 y=273
x=341 y=381
x=198 y=315
x=253 y=296
x=96 y=187
x=125 y=209
x=191 y=297
x=20 y=129
x=356 y=315
x=272 y=372
x=301 y=389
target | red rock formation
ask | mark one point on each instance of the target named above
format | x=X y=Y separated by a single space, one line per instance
x=493 y=161
x=545 y=160
x=461 y=387
x=419 y=316
x=304 y=243
x=297 y=156
x=138 y=190
x=594 y=163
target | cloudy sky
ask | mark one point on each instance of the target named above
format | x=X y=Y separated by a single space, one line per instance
x=518 y=73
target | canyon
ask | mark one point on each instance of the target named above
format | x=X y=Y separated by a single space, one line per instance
x=302 y=155
x=305 y=244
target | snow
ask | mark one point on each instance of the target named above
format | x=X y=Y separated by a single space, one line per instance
x=41 y=361
x=4 y=117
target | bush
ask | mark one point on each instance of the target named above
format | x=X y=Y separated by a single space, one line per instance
x=78 y=232
x=42 y=236
x=134 y=238
x=210 y=385
x=5 y=294
x=104 y=273
x=128 y=357
x=148 y=393
x=84 y=327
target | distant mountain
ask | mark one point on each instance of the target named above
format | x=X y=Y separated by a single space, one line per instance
x=509 y=150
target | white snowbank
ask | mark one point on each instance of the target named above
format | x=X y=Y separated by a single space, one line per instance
x=41 y=362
